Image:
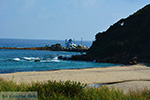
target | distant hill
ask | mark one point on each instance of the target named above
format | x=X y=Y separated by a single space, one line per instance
x=127 y=41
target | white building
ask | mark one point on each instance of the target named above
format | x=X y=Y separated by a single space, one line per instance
x=70 y=44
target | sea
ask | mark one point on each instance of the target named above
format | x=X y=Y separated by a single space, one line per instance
x=24 y=60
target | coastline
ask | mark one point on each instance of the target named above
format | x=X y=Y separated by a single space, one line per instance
x=45 y=48
x=128 y=77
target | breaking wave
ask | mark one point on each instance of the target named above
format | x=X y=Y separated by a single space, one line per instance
x=16 y=59
x=36 y=59
x=31 y=58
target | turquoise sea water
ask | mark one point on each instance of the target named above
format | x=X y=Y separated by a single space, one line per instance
x=24 y=60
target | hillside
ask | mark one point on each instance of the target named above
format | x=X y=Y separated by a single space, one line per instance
x=127 y=41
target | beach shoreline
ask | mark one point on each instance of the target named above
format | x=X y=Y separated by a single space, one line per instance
x=124 y=77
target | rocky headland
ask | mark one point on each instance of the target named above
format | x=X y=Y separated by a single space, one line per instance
x=126 y=42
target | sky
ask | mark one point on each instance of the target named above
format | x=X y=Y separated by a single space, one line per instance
x=62 y=19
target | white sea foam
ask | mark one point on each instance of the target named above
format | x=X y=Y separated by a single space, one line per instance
x=49 y=61
x=16 y=59
x=31 y=58
x=55 y=59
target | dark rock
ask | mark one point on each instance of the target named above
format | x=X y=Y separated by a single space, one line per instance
x=36 y=60
x=128 y=43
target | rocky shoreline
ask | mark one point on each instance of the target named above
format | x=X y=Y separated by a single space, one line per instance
x=116 y=60
x=102 y=60
x=126 y=61
x=44 y=48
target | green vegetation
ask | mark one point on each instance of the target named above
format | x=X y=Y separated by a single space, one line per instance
x=79 y=47
x=52 y=90
x=126 y=39
x=56 y=47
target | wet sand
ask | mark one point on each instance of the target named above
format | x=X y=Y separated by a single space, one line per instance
x=123 y=77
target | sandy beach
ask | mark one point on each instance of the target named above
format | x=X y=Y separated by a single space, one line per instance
x=123 y=77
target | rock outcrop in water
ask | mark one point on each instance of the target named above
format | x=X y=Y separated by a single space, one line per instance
x=126 y=42
x=55 y=47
